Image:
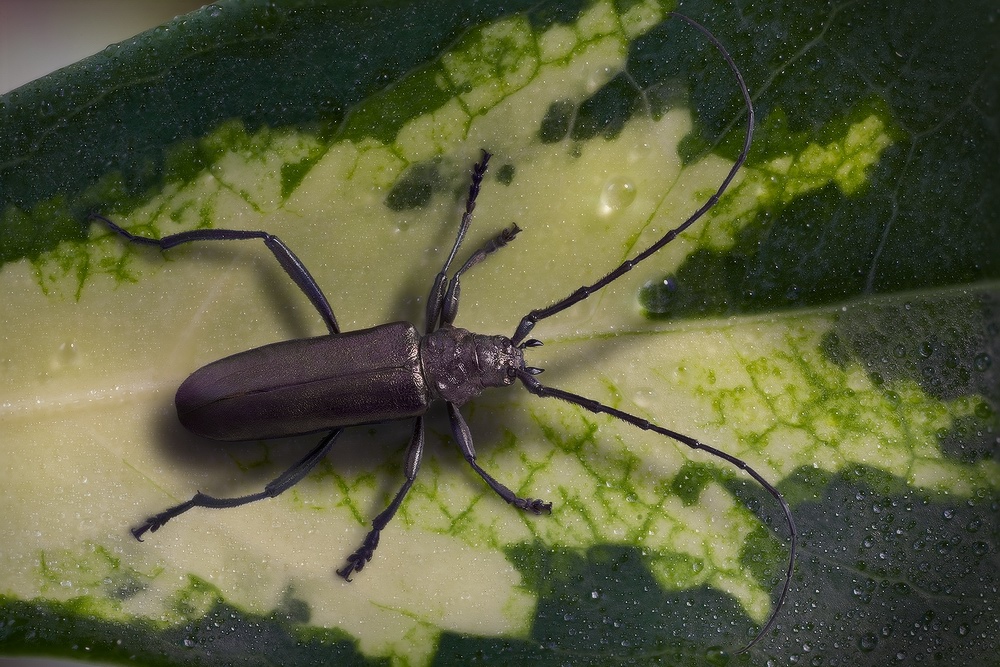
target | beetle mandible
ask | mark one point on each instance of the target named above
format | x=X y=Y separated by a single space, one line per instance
x=392 y=371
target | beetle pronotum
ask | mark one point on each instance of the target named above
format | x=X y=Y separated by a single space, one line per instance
x=392 y=371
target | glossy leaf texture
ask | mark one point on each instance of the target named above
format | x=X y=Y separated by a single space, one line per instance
x=834 y=321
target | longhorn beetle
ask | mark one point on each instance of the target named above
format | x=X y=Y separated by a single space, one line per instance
x=392 y=371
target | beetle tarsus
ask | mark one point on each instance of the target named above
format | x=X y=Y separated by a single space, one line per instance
x=356 y=561
x=533 y=505
x=137 y=533
x=152 y=524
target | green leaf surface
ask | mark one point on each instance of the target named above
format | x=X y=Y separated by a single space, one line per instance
x=834 y=321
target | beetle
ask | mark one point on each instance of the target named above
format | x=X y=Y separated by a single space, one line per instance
x=393 y=371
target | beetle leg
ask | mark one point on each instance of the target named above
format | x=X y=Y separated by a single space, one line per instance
x=464 y=437
x=292 y=265
x=435 y=301
x=356 y=561
x=281 y=483
x=450 y=305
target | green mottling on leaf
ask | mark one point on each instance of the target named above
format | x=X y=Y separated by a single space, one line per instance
x=381 y=116
x=195 y=599
x=834 y=415
x=854 y=144
x=762 y=554
x=491 y=63
x=690 y=480
x=845 y=162
x=292 y=175
x=94 y=579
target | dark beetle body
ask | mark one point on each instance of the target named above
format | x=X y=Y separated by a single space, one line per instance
x=372 y=375
x=336 y=380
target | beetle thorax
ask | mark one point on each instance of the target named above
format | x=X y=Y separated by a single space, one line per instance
x=458 y=364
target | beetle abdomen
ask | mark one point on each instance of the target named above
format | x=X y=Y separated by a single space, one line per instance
x=305 y=385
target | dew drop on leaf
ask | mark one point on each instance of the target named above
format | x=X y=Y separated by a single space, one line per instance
x=617 y=194
x=867 y=642
x=982 y=361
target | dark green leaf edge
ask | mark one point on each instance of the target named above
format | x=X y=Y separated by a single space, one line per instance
x=881 y=601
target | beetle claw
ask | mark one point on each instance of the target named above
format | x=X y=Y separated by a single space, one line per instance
x=535 y=506
x=356 y=561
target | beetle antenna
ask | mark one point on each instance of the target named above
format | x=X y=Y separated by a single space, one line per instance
x=535 y=387
x=528 y=321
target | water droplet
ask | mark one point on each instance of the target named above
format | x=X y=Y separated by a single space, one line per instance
x=716 y=656
x=643 y=397
x=617 y=194
x=926 y=349
x=598 y=78
x=64 y=357
x=948 y=514
x=983 y=410
x=982 y=362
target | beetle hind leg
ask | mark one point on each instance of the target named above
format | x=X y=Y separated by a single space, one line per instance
x=357 y=560
x=460 y=429
x=292 y=265
x=279 y=484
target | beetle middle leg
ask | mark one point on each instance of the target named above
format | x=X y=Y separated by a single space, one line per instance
x=414 y=453
x=464 y=437
x=279 y=484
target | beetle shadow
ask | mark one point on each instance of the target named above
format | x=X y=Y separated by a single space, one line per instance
x=409 y=300
x=449 y=182
x=274 y=288
x=227 y=469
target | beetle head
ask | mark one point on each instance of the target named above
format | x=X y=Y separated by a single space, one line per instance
x=459 y=364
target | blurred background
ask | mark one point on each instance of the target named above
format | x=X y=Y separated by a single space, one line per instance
x=41 y=36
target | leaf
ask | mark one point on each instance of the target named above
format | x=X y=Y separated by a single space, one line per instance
x=833 y=321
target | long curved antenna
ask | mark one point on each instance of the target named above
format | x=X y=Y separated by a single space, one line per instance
x=535 y=387
x=528 y=321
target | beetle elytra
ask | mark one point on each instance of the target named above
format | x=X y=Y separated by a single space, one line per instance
x=393 y=371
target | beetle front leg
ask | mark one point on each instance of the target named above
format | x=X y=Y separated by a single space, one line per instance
x=464 y=437
x=281 y=483
x=450 y=303
x=356 y=561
